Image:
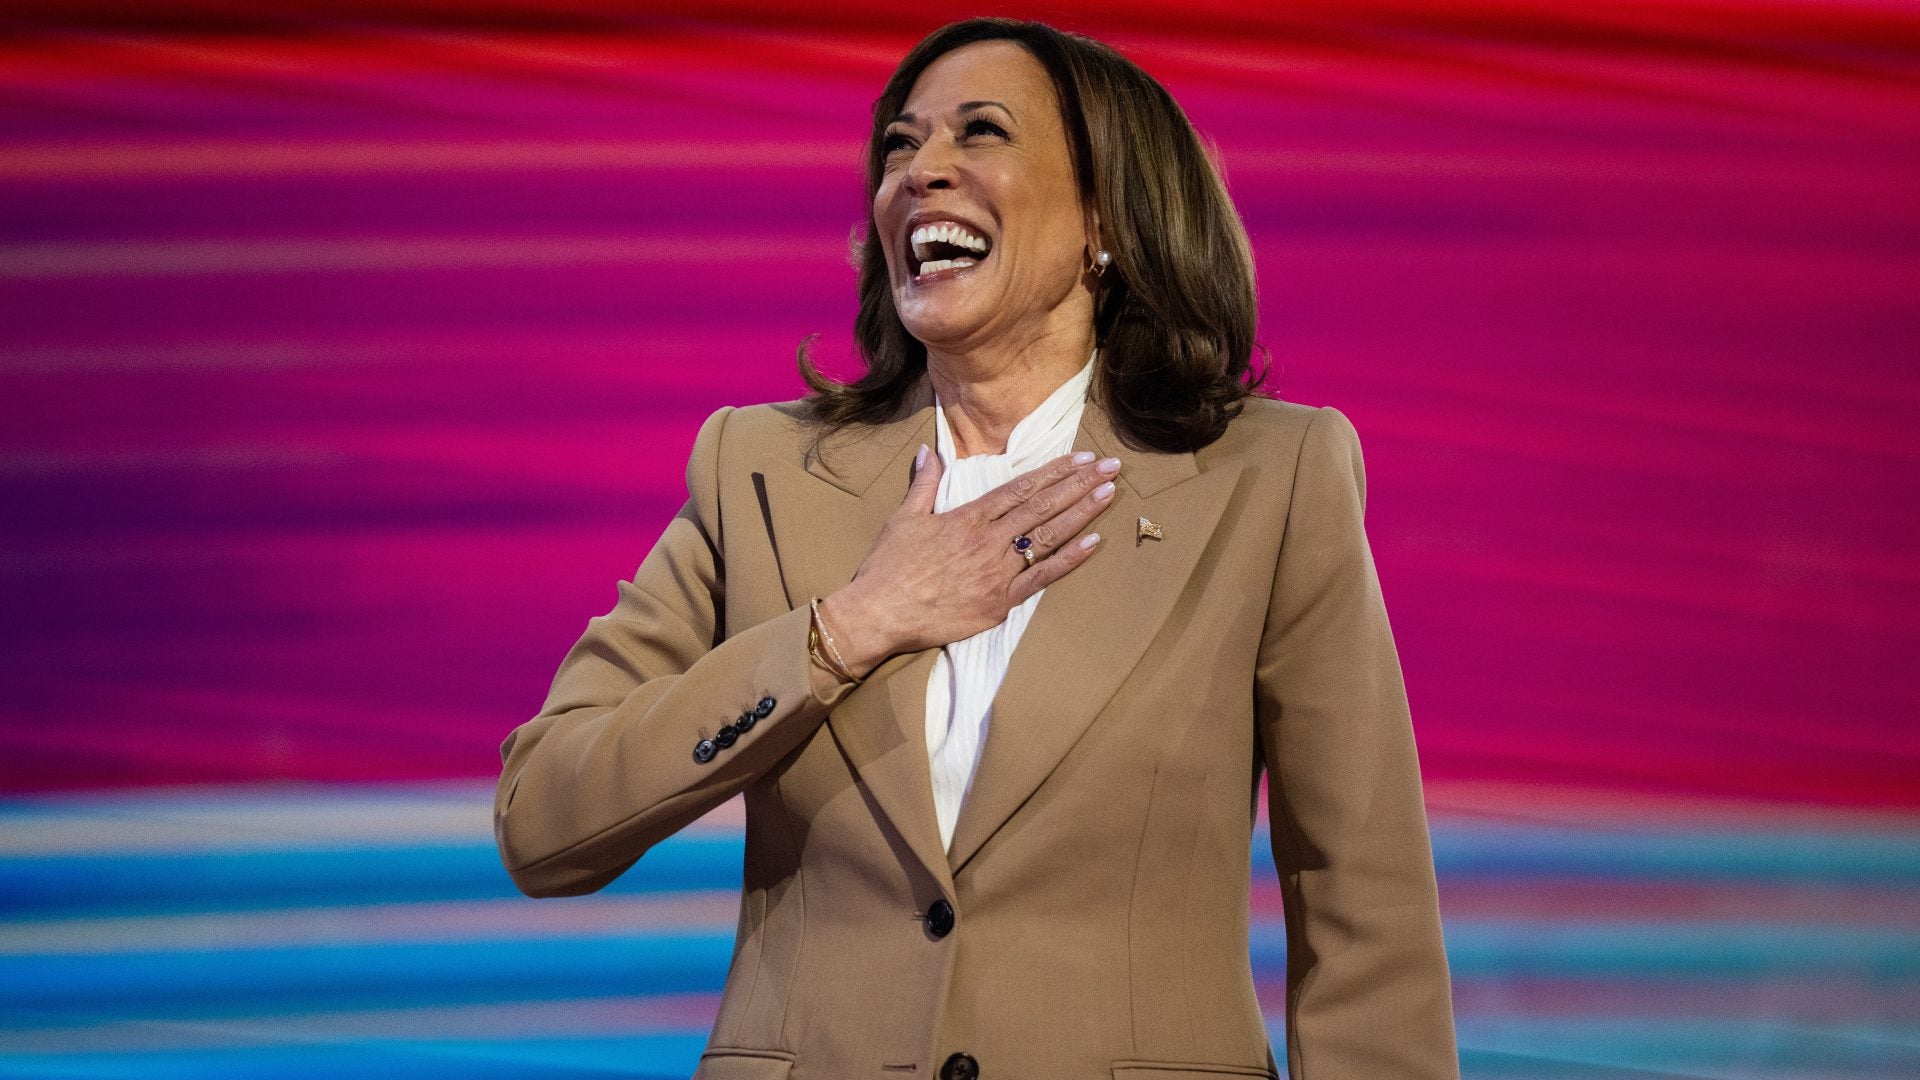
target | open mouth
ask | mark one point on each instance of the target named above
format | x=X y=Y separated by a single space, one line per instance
x=945 y=245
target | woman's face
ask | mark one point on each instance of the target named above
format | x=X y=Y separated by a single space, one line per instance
x=977 y=209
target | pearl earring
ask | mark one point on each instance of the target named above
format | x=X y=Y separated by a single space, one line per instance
x=1101 y=259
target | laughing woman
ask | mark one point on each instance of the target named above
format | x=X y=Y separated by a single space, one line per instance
x=997 y=640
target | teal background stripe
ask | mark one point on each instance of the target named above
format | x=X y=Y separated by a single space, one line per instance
x=1763 y=952
x=150 y=883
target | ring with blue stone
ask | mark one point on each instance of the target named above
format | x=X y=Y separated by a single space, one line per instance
x=1024 y=545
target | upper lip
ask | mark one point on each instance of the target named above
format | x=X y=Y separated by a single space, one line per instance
x=928 y=217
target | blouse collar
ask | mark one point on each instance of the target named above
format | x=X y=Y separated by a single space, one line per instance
x=1037 y=433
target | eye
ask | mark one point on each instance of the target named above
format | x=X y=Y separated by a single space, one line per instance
x=982 y=126
x=894 y=141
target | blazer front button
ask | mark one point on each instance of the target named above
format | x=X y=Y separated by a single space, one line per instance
x=765 y=707
x=940 y=919
x=960 y=1067
x=704 y=750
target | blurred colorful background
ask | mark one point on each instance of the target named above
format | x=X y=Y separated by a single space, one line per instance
x=351 y=350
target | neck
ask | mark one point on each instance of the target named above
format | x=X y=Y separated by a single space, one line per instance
x=986 y=392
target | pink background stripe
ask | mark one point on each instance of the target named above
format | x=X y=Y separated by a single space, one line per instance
x=350 y=351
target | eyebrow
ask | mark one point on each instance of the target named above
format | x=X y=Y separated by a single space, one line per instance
x=969 y=106
x=965 y=106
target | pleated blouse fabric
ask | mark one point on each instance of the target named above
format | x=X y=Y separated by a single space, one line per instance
x=967 y=673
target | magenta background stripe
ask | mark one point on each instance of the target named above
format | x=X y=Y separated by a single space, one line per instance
x=350 y=351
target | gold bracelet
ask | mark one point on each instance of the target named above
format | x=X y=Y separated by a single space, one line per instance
x=813 y=651
x=839 y=665
x=833 y=646
x=816 y=631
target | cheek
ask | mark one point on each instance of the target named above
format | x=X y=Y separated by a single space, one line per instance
x=1048 y=210
x=886 y=196
x=886 y=218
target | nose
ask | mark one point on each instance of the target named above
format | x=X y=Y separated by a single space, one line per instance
x=931 y=168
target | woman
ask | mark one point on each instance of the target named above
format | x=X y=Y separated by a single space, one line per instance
x=965 y=860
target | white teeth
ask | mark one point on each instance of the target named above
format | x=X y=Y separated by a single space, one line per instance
x=943 y=264
x=946 y=232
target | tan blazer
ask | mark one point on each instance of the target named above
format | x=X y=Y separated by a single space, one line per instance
x=1091 y=918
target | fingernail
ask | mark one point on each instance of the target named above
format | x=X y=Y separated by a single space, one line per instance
x=1082 y=457
x=1104 y=491
x=1109 y=466
x=920 y=458
x=1091 y=539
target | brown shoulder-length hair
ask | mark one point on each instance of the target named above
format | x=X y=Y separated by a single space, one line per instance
x=1174 y=313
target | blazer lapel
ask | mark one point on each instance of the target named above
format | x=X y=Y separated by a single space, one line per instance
x=825 y=512
x=823 y=519
x=1092 y=626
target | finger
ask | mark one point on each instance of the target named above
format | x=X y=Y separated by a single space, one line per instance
x=1068 y=522
x=925 y=488
x=1053 y=567
x=996 y=503
x=1057 y=498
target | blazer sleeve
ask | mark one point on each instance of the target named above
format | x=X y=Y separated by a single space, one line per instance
x=1368 y=994
x=612 y=764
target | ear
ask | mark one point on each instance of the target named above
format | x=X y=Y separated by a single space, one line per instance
x=1092 y=226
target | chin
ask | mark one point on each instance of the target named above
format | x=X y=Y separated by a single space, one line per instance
x=938 y=320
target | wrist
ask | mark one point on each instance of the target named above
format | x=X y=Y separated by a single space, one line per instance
x=821 y=648
x=861 y=642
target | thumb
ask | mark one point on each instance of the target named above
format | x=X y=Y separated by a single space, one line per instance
x=926 y=481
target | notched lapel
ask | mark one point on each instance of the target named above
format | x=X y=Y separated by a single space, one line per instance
x=818 y=531
x=1091 y=627
x=822 y=515
x=823 y=519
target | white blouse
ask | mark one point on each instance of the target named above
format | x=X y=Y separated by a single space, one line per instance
x=967 y=673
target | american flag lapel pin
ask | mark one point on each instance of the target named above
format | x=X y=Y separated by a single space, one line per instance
x=1148 y=528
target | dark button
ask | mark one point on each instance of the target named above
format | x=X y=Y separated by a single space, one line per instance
x=940 y=919
x=960 y=1067
x=704 y=750
x=764 y=708
x=725 y=736
x=745 y=721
